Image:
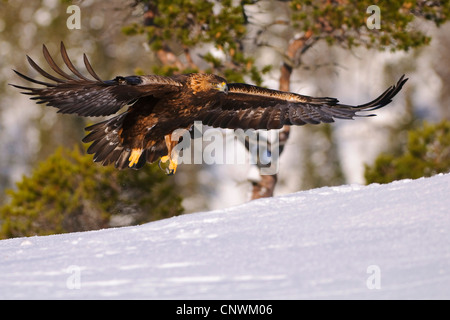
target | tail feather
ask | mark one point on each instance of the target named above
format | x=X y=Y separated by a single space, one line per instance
x=158 y=150
x=105 y=151
x=108 y=149
x=113 y=156
x=106 y=143
x=122 y=159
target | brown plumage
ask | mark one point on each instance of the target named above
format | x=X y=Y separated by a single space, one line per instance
x=158 y=105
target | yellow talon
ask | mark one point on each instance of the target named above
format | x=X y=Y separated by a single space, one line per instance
x=172 y=168
x=134 y=157
x=165 y=159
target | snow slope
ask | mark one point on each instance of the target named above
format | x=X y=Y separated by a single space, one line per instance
x=347 y=242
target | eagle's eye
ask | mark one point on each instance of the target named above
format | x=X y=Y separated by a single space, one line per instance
x=222 y=86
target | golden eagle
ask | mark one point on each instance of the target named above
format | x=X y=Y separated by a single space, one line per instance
x=158 y=105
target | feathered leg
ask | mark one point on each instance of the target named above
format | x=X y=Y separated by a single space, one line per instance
x=172 y=158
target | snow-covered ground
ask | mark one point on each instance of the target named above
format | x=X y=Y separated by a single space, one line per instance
x=347 y=242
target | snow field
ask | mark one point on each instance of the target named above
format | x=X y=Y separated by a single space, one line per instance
x=349 y=242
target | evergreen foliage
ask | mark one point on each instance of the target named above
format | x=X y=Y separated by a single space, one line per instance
x=344 y=22
x=68 y=193
x=176 y=27
x=427 y=153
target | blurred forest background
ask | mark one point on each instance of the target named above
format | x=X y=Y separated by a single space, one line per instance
x=323 y=48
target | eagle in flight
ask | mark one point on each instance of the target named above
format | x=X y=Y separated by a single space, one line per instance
x=159 y=105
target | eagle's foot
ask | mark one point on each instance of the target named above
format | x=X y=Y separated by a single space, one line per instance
x=171 y=168
x=134 y=157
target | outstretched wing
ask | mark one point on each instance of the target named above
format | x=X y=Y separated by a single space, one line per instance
x=91 y=97
x=251 y=107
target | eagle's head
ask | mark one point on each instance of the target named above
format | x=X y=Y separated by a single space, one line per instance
x=207 y=83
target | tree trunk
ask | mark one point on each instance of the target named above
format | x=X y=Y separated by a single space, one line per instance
x=265 y=186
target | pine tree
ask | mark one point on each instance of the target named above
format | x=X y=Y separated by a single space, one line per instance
x=68 y=193
x=427 y=153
